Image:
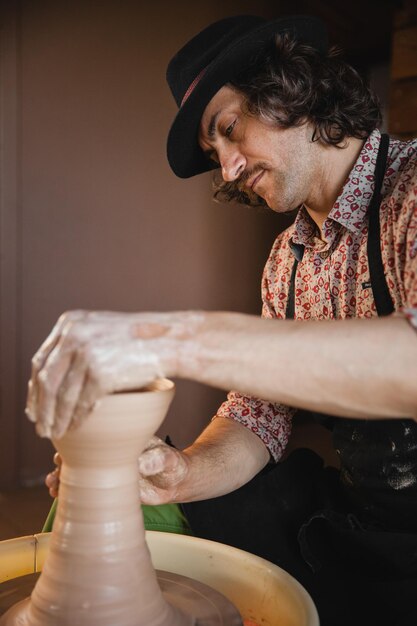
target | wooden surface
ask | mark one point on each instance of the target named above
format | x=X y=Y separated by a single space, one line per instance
x=404 y=53
x=403 y=118
x=403 y=92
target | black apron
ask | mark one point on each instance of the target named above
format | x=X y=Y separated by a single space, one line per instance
x=349 y=536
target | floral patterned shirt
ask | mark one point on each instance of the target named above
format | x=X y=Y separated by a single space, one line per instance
x=332 y=279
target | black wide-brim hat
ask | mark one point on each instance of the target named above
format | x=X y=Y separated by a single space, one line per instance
x=211 y=59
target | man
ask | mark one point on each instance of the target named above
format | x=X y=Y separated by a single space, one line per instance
x=286 y=123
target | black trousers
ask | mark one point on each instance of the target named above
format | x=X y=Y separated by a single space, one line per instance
x=295 y=515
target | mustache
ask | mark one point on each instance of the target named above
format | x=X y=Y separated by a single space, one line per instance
x=247 y=174
x=236 y=190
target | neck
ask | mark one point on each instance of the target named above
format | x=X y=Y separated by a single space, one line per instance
x=335 y=166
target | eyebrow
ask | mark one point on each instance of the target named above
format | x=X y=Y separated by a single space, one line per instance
x=212 y=126
x=211 y=131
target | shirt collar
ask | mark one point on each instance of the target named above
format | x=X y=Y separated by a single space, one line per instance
x=351 y=206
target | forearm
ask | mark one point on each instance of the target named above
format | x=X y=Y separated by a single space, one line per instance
x=357 y=368
x=223 y=458
x=353 y=368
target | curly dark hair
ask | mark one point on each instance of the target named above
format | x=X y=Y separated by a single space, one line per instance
x=290 y=83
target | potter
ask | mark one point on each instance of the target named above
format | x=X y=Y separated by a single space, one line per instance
x=286 y=123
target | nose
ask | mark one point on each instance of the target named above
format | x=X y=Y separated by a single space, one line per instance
x=233 y=163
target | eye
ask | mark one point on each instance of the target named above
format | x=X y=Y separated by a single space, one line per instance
x=229 y=129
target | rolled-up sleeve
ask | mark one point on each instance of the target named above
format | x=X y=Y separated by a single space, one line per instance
x=270 y=421
x=409 y=270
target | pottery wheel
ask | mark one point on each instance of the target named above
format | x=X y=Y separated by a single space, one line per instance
x=209 y=607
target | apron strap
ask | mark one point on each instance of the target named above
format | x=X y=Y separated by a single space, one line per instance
x=383 y=300
x=290 y=310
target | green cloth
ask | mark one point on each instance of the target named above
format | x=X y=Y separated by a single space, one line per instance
x=166 y=518
x=49 y=522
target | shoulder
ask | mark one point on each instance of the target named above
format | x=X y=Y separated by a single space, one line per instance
x=281 y=242
x=401 y=174
x=399 y=203
x=280 y=251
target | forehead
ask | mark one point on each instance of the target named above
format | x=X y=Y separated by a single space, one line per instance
x=225 y=100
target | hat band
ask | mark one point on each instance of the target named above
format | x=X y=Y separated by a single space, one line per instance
x=193 y=86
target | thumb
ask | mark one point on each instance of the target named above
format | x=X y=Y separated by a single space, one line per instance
x=161 y=458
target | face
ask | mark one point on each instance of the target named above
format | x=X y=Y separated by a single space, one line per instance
x=279 y=165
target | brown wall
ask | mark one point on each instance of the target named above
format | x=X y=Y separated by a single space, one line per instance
x=95 y=218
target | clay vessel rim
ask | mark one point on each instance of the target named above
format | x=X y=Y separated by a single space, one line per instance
x=156 y=386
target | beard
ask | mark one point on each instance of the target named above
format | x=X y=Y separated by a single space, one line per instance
x=280 y=191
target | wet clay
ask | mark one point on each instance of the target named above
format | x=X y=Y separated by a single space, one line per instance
x=98 y=571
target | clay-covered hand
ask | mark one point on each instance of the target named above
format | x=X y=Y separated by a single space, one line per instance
x=162 y=470
x=52 y=479
x=90 y=354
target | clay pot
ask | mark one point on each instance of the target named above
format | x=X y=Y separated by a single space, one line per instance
x=98 y=571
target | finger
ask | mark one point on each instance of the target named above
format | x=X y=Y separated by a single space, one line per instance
x=90 y=393
x=48 y=382
x=50 y=378
x=153 y=442
x=151 y=462
x=52 y=482
x=38 y=362
x=42 y=355
x=50 y=478
x=157 y=460
x=151 y=495
x=68 y=394
x=57 y=459
x=54 y=491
